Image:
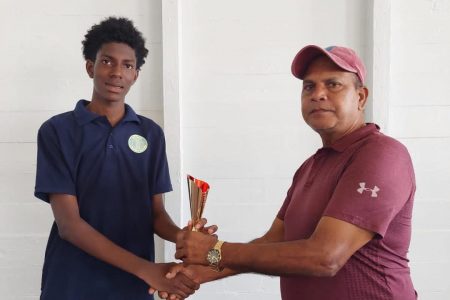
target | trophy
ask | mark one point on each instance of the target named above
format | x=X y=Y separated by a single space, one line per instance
x=198 y=191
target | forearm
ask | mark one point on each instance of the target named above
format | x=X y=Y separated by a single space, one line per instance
x=209 y=274
x=163 y=225
x=323 y=254
x=165 y=228
x=82 y=235
x=281 y=259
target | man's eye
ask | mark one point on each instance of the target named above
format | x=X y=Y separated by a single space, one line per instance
x=307 y=87
x=129 y=66
x=334 y=84
x=106 y=61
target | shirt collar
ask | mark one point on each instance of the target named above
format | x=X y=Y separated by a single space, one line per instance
x=84 y=116
x=130 y=115
x=348 y=140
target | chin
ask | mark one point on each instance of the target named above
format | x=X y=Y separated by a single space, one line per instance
x=114 y=98
x=321 y=126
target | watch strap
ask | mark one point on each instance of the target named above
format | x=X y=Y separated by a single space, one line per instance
x=215 y=265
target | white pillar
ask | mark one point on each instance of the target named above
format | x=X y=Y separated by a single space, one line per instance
x=171 y=43
x=381 y=62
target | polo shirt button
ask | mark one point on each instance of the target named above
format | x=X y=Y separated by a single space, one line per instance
x=110 y=146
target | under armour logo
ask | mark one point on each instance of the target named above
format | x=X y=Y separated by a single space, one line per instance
x=362 y=188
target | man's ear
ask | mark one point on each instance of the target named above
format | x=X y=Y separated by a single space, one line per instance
x=90 y=68
x=363 y=93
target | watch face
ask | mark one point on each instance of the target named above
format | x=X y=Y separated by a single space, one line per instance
x=213 y=256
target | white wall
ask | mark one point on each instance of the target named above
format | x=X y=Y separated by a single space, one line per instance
x=42 y=75
x=419 y=115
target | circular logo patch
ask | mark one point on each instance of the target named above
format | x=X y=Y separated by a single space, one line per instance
x=137 y=143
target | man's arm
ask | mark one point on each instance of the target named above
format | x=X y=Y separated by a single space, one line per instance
x=74 y=229
x=323 y=254
x=273 y=235
x=202 y=274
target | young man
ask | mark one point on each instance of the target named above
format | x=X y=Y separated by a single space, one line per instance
x=344 y=230
x=103 y=169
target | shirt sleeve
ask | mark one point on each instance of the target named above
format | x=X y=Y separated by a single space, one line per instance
x=374 y=187
x=159 y=169
x=52 y=172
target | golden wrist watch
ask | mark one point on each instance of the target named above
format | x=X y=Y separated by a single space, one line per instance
x=214 y=256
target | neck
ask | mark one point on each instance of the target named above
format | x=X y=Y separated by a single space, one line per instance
x=113 y=111
x=329 y=138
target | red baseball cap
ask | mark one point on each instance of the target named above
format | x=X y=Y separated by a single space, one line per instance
x=345 y=58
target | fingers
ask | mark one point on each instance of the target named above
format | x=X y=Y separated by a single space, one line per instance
x=210 y=229
x=175 y=297
x=174 y=271
x=180 y=253
x=163 y=295
x=192 y=247
x=200 y=224
x=180 y=286
x=188 y=282
x=182 y=283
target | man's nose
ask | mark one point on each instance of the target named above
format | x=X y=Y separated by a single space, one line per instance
x=116 y=70
x=319 y=93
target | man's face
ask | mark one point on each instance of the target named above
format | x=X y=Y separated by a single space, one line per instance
x=114 y=72
x=331 y=102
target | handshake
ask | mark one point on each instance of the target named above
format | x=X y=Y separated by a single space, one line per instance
x=196 y=247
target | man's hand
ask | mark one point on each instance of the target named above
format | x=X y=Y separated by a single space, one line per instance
x=196 y=273
x=193 y=247
x=180 y=286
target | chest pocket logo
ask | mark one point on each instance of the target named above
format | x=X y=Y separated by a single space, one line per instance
x=137 y=143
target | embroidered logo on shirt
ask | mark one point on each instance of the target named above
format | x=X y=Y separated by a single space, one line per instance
x=137 y=143
x=362 y=188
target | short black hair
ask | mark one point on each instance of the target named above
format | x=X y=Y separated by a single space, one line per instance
x=118 y=30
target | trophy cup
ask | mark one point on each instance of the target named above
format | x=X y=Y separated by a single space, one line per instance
x=198 y=192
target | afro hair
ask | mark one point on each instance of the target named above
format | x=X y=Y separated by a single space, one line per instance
x=110 y=30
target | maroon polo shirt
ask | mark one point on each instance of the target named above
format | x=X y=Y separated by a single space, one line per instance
x=366 y=179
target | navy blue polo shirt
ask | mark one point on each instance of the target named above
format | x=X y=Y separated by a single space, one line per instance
x=113 y=172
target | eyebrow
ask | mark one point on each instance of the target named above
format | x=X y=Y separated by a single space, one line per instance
x=324 y=80
x=113 y=58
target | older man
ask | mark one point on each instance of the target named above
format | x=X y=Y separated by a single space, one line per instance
x=344 y=229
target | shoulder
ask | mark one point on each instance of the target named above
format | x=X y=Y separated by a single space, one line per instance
x=383 y=153
x=150 y=126
x=300 y=171
x=57 y=122
x=379 y=143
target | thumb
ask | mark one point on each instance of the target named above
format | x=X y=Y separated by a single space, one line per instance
x=174 y=271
